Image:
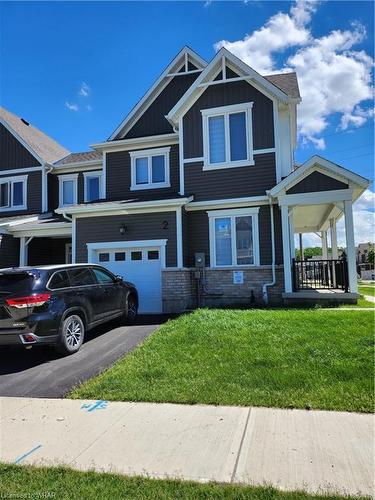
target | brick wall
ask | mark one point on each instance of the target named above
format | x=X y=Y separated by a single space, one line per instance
x=180 y=286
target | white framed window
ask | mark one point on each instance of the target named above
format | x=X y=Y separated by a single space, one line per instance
x=68 y=189
x=13 y=193
x=234 y=237
x=93 y=185
x=150 y=169
x=228 y=136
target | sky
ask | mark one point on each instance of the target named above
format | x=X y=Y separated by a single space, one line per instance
x=75 y=69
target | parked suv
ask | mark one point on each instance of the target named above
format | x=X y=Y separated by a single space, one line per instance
x=58 y=304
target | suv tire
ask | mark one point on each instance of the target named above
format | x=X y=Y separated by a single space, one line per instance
x=72 y=332
x=131 y=311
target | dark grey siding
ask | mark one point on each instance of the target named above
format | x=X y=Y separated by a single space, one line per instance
x=198 y=236
x=12 y=153
x=119 y=176
x=9 y=251
x=317 y=182
x=253 y=180
x=154 y=226
x=153 y=121
x=43 y=251
x=225 y=95
x=34 y=195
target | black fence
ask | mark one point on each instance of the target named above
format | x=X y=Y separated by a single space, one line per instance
x=320 y=275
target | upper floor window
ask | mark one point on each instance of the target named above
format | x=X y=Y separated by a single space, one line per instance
x=13 y=193
x=234 y=237
x=150 y=169
x=67 y=189
x=93 y=186
x=227 y=136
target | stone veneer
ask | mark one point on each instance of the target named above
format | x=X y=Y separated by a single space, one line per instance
x=179 y=287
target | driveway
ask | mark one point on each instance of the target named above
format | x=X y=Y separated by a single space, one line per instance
x=41 y=373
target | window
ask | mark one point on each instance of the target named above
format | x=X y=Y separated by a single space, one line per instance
x=120 y=256
x=81 y=277
x=13 y=192
x=104 y=257
x=102 y=277
x=153 y=255
x=234 y=238
x=59 y=280
x=68 y=189
x=227 y=136
x=93 y=186
x=136 y=256
x=150 y=169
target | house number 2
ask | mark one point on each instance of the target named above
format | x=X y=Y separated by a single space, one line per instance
x=165 y=224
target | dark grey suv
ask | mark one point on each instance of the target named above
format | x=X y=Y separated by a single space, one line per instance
x=57 y=305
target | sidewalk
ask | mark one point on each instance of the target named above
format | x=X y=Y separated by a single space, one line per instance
x=290 y=449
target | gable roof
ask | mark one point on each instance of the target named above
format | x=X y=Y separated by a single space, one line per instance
x=327 y=167
x=45 y=149
x=80 y=158
x=185 y=56
x=226 y=58
x=287 y=82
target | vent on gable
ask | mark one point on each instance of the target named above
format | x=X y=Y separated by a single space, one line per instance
x=25 y=122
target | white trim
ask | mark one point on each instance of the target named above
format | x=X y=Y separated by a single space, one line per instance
x=44 y=191
x=181 y=156
x=149 y=153
x=286 y=249
x=193 y=93
x=68 y=250
x=62 y=179
x=350 y=246
x=232 y=214
x=316 y=198
x=179 y=237
x=15 y=171
x=104 y=174
x=194 y=160
x=156 y=89
x=109 y=208
x=226 y=111
x=182 y=73
x=93 y=247
x=200 y=159
x=17 y=222
x=276 y=134
x=227 y=203
x=77 y=167
x=47 y=230
x=93 y=173
x=138 y=142
x=10 y=181
x=264 y=151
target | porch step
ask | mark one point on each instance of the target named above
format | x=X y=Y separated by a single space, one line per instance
x=320 y=297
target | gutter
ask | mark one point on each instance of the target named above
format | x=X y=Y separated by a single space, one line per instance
x=273 y=282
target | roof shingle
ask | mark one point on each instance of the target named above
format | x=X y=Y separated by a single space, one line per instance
x=287 y=82
x=80 y=157
x=43 y=146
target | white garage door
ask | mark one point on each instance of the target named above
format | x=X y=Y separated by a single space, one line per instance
x=141 y=266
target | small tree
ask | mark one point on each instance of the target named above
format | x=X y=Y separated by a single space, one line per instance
x=371 y=256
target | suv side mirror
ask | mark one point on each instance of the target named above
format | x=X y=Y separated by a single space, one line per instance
x=119 y=279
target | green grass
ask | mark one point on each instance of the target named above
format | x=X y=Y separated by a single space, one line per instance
x=277 y=358
x=367 y=290
x=66 y=484
x=361 y=302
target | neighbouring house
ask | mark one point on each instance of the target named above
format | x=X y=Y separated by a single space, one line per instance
x=365 y=262
x=194 y=197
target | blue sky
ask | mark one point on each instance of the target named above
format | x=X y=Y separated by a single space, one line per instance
x=48 y=49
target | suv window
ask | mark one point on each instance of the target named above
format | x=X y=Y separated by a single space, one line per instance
x=102 y=276
x=16 y=282
x=81 y=276
x=59 y=280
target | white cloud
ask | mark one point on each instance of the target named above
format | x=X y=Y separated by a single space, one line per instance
x=71 y=106
x=84 y=90
x=333 y=78
x=88 y=107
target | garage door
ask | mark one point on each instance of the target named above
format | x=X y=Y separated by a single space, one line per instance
x=141 y=266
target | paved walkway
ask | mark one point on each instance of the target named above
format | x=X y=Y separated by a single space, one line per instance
x=290 y=449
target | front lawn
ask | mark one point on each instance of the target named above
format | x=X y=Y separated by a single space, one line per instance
x=279 y=358
x=66 y=484
x=367 y=290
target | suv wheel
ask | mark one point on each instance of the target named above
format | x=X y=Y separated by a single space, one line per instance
x=131 y=310
x=72 y=333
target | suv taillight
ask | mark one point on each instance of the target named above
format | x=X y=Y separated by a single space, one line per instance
x=30 y=301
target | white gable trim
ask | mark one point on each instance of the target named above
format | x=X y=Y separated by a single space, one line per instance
x=211 y=71
x=160 y=84
x=317 y=163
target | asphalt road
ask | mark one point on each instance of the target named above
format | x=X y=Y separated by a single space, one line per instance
x=41 y=373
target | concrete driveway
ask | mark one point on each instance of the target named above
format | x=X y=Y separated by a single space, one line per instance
x=41 y=373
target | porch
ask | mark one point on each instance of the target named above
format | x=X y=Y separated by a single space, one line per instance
x=313 y=199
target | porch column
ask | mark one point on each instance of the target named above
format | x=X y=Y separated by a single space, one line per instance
x=324 y=245
x=286 y=248
x=333 y=230
x=301 y=246
x=23 y=251
x=291 y=231
x=350 y=246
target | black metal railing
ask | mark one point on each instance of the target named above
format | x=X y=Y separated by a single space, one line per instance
x=320 y=275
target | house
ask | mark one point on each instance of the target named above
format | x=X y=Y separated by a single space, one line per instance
x=194 y=197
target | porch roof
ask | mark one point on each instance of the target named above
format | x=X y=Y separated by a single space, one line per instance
x=47 y=227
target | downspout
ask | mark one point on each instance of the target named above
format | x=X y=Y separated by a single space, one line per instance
x=273 y=282
x=70 y=219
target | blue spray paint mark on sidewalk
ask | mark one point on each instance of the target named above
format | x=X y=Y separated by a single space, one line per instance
x=98 y=405
x=22 y=457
